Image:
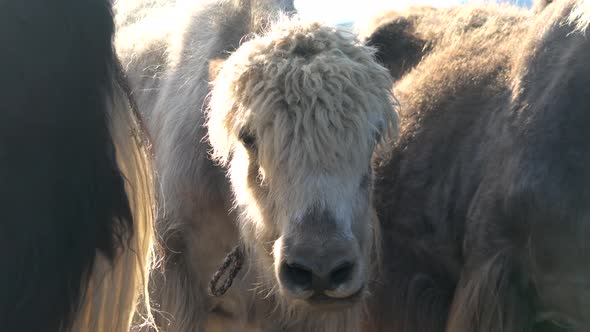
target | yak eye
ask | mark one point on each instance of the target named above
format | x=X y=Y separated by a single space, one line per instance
x=248 y=139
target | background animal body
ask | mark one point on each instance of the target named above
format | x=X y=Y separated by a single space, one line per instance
x=169 y=71
x=482 y=199
x=76 y=203
x=405 y=38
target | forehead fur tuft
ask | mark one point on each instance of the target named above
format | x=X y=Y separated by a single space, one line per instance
x=301 y=83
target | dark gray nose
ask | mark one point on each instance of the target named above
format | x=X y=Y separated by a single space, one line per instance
x=298 y=275
x=319 y=261
x=318 y=272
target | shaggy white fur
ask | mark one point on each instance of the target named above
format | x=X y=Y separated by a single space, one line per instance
x=315 y=102
x=313 y=95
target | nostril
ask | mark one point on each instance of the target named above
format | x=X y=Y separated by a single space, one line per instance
x=341 y=274
x=297 y=275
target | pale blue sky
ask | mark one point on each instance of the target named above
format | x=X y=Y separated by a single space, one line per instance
x=338 y=11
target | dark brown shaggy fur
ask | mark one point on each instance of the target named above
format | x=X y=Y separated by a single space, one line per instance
x=483 y=199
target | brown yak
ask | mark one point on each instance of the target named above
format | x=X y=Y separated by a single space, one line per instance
x=482 y=198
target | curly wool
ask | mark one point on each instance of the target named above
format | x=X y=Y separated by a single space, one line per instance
x=300 y=85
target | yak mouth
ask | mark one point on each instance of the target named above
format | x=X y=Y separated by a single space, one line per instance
x=325 y=303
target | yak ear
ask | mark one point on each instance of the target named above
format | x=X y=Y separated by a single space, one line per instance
x=214 y=67
x=399 y=47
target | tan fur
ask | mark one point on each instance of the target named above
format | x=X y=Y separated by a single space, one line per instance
x=214 y=67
